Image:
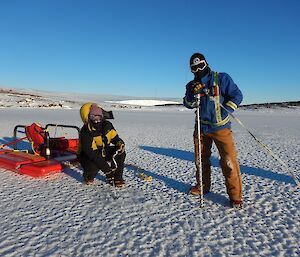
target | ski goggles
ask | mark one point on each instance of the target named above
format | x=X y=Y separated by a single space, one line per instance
x=95 y=118
x=198 y=65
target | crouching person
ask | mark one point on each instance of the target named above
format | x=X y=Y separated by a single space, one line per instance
x=101 y=149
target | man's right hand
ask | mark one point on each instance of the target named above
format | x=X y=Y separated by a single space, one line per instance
x=197 y=88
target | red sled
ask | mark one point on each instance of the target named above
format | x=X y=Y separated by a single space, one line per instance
x=46 y=155
x=28 y=164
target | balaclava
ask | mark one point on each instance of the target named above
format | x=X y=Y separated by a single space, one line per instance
x=96 y=116
x=199 y=66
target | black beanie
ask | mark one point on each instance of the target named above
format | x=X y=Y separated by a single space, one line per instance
x=195 y=57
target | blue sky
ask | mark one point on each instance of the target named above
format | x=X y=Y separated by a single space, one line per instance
x=142 y=48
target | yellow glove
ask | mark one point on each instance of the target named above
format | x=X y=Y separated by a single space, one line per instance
x=197 y=87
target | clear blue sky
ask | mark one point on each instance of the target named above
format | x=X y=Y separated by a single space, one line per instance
x=142 y=48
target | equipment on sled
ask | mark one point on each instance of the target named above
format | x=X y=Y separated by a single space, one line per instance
x=49 y=147
x=46 y=154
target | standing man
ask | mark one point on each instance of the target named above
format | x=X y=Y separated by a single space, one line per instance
x=101 y=148
x=215 y=89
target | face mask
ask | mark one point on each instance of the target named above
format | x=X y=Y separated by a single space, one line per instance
x=96 y=125
x=96 y=121
x=95 y=118
x=199 y=66
x=200 y=74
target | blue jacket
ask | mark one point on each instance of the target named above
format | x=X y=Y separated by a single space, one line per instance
x=219 y=88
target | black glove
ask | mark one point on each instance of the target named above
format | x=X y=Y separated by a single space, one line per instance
x=197 y=88
x=120 y=147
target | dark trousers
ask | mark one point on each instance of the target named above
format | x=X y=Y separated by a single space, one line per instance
x=90 y=169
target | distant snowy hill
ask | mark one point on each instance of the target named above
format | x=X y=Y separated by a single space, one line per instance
x=145 y=102
x=21 y=98
x=272 y=105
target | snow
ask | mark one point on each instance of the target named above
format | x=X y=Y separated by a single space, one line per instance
x=60 y=216
x=21 y=98
x=145 y=102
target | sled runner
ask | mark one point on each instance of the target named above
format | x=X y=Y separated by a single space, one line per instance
x=46 y=154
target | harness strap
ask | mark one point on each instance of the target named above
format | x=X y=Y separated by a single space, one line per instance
x=216 y=75
x=216 y=97
x=214 y=90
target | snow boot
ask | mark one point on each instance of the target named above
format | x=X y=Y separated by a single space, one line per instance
x=236 y=204
x=195 y=190
x=119 y=182
x=89 y=181
x=115 y=182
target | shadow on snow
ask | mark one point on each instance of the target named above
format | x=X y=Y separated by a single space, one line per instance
x=21 y=145
x=189 y=156
x=171 y=183
x=177 y=185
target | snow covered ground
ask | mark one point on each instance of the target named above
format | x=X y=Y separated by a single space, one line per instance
x=142 y=102
x=60 y=216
